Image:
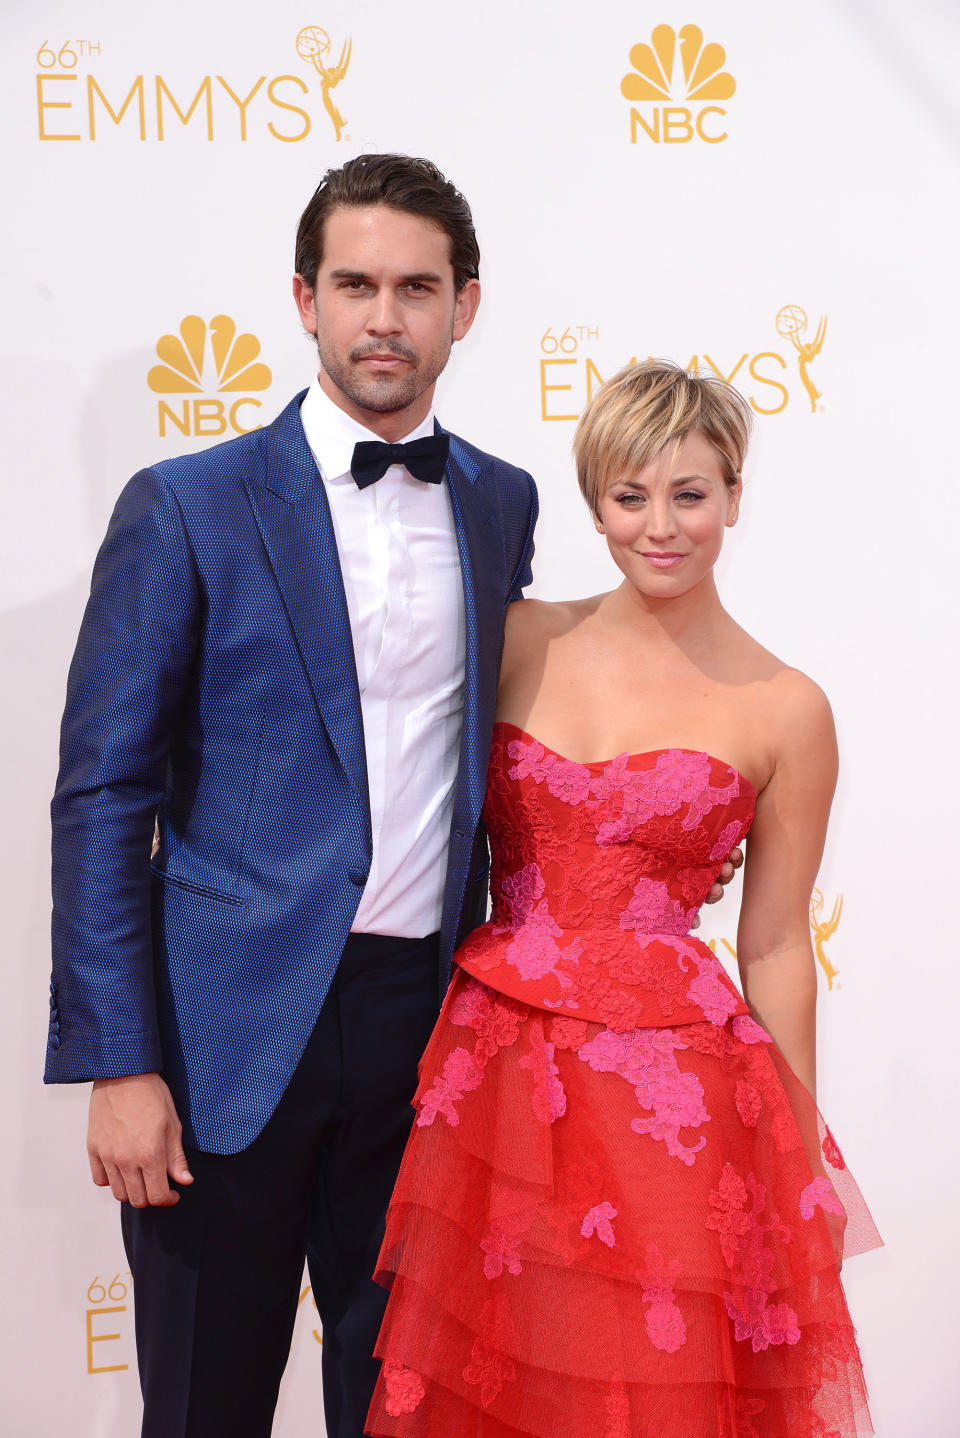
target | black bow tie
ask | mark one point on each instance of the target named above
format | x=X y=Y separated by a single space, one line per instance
x=424 y=458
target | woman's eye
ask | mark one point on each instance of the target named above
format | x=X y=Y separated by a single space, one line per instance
x=689 y=495
x=629 y=500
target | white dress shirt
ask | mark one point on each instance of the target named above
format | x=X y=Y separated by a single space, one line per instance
x=401 y=573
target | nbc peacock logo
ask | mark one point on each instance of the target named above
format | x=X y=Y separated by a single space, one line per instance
x=201 y=361
x=657 y=76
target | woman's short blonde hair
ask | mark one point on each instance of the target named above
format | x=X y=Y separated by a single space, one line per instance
x=648 y=408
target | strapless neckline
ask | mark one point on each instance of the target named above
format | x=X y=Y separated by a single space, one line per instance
x=642 y=754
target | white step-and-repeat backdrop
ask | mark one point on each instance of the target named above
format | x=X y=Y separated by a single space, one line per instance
x=763 y=191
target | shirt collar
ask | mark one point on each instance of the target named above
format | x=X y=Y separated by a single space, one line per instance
x=332 y=433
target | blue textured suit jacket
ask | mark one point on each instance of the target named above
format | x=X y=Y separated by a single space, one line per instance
x=214 y=684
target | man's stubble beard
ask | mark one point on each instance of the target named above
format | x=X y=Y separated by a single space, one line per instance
x=383 y=394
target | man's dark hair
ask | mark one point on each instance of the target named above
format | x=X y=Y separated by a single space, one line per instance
x=401 y=182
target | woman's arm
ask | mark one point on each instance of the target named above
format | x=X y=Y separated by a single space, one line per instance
x=529 y=626
x=774 y=952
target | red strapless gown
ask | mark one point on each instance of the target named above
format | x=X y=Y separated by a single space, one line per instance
x=619 y=1214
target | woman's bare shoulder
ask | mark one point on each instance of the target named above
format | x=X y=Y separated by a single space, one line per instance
x=805 y=712
x=540 y=620
x=796 y=718
x=792 y=711
x=788 y=686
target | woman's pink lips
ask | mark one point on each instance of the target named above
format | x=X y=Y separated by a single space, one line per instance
x=662 y=559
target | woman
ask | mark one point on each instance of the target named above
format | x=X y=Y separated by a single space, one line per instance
x=619 y=1213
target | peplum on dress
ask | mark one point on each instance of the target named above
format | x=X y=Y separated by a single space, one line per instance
x=619 y=1214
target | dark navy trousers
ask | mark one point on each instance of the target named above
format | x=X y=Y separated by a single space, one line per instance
x=217 y=1277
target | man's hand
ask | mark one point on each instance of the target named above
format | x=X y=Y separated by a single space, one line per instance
x=134 y=1140
x=730 y=866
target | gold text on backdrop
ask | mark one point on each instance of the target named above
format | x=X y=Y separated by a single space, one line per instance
x=571 y=373
x=77 y=102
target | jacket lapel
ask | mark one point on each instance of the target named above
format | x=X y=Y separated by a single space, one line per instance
x=475 y=504
x=293 y=516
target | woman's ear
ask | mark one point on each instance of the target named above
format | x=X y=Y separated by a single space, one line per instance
x=734 y=491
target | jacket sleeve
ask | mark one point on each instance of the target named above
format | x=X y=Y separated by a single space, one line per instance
x=126 y=685
x=523 y=574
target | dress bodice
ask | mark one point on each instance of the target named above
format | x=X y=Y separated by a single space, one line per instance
x=597 y=873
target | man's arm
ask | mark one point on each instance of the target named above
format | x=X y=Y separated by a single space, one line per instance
x=126 y=686
x=523 y=574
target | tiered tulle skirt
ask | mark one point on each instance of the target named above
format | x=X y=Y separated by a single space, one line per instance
x=616 y=1235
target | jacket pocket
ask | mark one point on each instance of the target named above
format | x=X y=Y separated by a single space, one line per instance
x=202 y=889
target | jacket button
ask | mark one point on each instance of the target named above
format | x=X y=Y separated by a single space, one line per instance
x=358 y=877
x=54 y=1041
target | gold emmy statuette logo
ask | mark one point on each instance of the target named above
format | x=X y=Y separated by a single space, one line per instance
x=653 y=78
x=791 y=323
x=182 y=372
x=824 y=929
x=313 y=45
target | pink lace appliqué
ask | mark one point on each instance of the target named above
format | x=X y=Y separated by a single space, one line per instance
x=490 y=1370
x=565 y=780
x=461 y=1073
x=496 y=1020
x=405 y=1390
x=761 y=1086
x=657 y=967
x=729 y=1218
x=549 y=1099
x=749 y=1103
x=748 y=1031
x=738 y=1216
x=820 y=1191
x=599 y=1220
x=726 y=839
x=653 y=911
x=533 y=951
x=654 y=970
x=711 y=989
x=665 y=1326
x=831 y=1151
x=679 y=777
x=765 y=1324
x=645 y=1058
x=500 y=1247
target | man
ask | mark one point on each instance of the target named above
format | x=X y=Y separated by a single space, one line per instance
x=289 y=659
